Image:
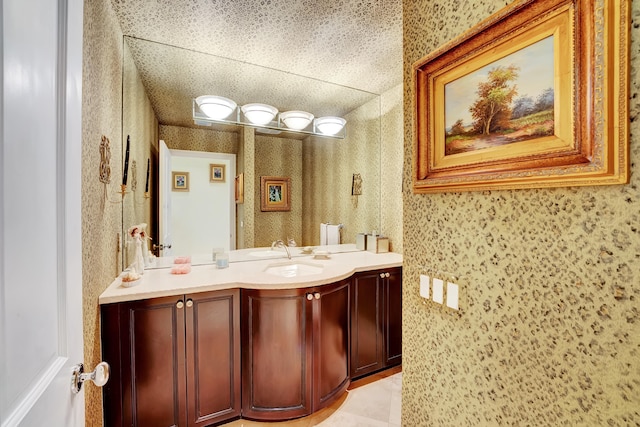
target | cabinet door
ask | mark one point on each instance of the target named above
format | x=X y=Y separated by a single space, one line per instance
x=276 y=354
x=393 y=317
x=330 y=342
x=366 y=323
x=144 y=343
x=212 y=356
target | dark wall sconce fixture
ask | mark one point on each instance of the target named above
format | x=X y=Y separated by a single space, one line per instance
x=356 y=185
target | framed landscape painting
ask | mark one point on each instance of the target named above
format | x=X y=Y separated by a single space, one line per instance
x=526 y=99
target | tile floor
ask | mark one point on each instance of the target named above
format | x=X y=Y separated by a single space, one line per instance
x=374 y=401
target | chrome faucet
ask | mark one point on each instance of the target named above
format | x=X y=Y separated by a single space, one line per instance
x=280 y=244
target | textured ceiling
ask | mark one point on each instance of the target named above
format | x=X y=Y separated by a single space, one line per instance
x=280 y=52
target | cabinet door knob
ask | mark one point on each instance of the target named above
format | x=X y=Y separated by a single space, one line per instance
x=317 y=295
x=180 y=304
x=309 y=297
x=386 y=275
x=382 y=275
x=189 y=303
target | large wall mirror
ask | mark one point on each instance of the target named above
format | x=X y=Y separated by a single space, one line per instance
x=159 y=84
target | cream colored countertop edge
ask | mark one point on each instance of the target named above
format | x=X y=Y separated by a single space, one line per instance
x=248 y=275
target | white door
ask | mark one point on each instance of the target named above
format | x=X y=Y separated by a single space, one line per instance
x=164 y=190
x=203 y=217
x=40 y=215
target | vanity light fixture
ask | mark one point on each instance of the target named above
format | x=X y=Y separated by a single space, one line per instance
x=329 y=125
x=210 y=109
x=259 y=114
x=216 y=107
x=297 y=120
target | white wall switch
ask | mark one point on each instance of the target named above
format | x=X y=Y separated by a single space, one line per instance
x=438 y=290
x=424 y=286
x=452 y=295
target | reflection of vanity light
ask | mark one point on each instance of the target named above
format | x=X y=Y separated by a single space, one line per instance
x=268 y=131
x=297 y=120
x=259 y=114
x=216 y=107
x=266 y=119
x=330 y=125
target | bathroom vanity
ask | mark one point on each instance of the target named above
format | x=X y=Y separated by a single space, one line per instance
x=248 y=341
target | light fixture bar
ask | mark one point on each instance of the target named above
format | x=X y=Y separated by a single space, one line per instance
x=237 y=118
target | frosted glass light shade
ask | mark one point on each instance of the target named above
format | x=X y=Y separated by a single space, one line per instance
x=330 y=125
x=259 y=114
x=216 y=107
x=296 y=120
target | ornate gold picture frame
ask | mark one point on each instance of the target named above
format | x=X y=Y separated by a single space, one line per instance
x=467 y=135
x=275 y=193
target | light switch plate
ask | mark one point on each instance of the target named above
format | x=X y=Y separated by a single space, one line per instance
x=424 y=286
x=438 y=290
x=452 y=295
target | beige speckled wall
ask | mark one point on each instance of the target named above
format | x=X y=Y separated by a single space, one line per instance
x=278 y=157
x=101 y=220
x=140 y=124
x=183 y=138
x=247 y=212
x=552 y=330
x=329 y=165
x=391 y=155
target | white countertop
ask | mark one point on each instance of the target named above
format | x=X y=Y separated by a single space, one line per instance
x=249 y=274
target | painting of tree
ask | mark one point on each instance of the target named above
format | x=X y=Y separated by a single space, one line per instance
x=493 y=106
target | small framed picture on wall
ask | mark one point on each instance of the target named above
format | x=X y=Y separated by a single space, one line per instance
x=216 y=173
x=275 y=193
x=180 y=181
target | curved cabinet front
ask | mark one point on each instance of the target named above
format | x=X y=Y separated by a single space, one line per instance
x=295 y=350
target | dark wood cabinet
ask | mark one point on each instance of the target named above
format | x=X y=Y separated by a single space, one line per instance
x=295 y=350
x=376 y=321
x=392 y=319
x=175 y=361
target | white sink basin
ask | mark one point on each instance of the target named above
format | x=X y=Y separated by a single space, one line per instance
x=294 y=269
x=268 y=254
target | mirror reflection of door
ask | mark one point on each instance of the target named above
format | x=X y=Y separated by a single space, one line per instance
x=195 y=221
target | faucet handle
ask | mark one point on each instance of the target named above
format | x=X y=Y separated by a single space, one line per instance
x=291 y=242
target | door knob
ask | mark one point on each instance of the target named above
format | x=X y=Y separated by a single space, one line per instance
x=189 y=303
x=316 y=295
x=99 y=376
x=386 y=274
x=309 y=297
x=180 y=304
x=382 y=275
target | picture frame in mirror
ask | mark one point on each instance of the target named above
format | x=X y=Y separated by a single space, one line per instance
x=217 y=173
x=180 y=181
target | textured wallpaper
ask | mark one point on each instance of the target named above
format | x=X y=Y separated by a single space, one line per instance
x=551 y=333
x=278 y=157
x=139 y=123
x=101 y=205
x=391 y=159
x=329 y=165
x=183 y=138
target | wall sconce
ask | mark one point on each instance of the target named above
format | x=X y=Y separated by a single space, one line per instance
x=125 y=170
x=210 y=109
x=356 y=185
